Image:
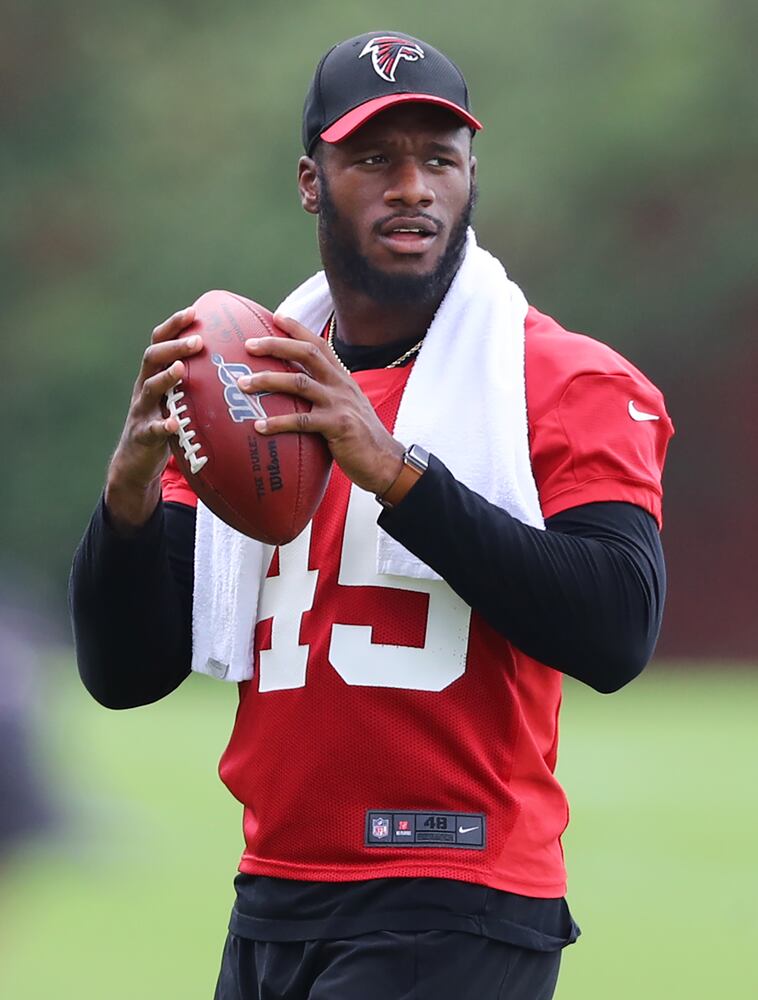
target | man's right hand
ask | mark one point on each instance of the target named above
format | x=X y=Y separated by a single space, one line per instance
x=133 y=485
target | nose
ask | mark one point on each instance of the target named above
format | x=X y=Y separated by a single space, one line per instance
x=409 y=185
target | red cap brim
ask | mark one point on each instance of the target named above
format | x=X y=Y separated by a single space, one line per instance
x=353 y=120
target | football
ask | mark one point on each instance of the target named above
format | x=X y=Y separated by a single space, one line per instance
x=266 y=486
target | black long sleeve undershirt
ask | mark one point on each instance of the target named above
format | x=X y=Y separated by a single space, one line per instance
x=130 y=598
x=585 y=596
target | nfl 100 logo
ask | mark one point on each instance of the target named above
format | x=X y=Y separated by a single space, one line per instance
x=380 y=827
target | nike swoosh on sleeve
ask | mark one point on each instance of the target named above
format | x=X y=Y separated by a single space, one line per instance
x=636 y=414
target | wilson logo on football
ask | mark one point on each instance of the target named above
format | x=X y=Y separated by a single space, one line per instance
x=241 y=406
x=386 y=53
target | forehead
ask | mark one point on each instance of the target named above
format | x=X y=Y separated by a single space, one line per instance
x=422 y=122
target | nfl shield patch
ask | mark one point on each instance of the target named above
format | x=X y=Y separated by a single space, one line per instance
x=380 y=827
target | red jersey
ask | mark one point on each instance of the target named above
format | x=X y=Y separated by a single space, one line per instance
x=388 y=730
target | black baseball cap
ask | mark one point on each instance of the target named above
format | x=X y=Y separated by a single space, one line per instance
x=362 y=76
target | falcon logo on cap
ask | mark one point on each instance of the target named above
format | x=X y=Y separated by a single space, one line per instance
x=386 y=53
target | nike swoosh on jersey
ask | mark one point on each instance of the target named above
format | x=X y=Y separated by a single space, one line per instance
x=636 y=414
x=467 y=829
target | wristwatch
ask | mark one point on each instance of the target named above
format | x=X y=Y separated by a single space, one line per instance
x=415 y=464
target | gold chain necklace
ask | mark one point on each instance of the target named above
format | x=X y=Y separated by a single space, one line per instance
x=394 y=364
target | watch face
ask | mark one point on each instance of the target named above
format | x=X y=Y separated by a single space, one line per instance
x=418 y=457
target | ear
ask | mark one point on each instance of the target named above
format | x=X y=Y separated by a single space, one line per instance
x=472 y=169
x=308 y=184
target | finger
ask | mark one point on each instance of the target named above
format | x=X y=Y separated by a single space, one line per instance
x=161 y=355
x=295 y=329
x=174 y=325
x=312 y=354
x=288 y=423
x=293 y=383
x=157 y=431
x=157 y=386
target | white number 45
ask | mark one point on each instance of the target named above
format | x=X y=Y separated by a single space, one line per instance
x=285 y=599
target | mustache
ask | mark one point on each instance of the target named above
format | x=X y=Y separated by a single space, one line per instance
x=408 y=216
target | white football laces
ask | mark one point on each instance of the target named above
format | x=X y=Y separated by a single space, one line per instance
x=190 y=448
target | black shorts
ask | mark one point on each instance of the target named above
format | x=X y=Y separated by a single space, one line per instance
x=386 y=965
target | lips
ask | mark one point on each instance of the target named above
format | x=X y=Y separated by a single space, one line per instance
x=418 y=226
x=408 y=235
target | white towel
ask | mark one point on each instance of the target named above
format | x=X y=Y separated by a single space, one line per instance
x=228 y=570
x=465 y=401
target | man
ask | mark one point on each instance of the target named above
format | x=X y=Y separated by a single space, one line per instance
x=396 y=737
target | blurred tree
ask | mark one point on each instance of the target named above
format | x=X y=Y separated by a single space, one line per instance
x=149 y=154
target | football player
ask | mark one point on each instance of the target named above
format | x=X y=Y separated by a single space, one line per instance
x=491 y=523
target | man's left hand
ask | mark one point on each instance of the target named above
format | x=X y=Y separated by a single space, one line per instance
x=361 y=445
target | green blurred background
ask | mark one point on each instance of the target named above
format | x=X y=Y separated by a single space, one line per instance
x=148 y=154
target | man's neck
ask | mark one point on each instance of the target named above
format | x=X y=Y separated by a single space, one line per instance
x=362 y=321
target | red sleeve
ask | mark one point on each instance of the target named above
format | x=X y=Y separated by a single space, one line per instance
x=598 y=427
x=174 y=486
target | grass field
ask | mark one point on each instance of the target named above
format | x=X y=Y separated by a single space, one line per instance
x=131 y=899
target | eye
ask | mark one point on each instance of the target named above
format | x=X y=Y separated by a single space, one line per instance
x=440 y=161
x=374 y=159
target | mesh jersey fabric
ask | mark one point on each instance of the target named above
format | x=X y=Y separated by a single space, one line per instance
x=371 y=721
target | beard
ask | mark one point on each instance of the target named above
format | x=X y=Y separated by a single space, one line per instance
x=344 y=261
